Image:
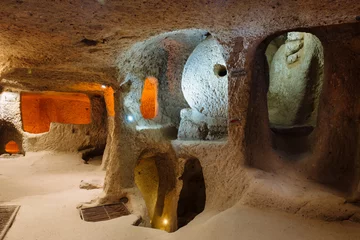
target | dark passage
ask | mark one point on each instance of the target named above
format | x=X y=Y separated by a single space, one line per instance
x=192 y=196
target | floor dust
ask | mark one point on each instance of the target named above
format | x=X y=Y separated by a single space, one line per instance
x=46 y=185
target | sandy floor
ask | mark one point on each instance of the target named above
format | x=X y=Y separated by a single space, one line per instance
x=46 y=185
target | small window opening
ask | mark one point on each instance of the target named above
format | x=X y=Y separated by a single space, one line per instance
x=149 y=104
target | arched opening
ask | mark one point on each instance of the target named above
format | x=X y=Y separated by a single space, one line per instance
x=296 y=69
x=155 y=178
x=149 y=102
x=159 y=59
x=193 y=195
x=12 y=147
x=328 y=149
x=10 y=138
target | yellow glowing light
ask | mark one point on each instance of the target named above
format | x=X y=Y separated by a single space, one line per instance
x=103 y=86
x=165 y=221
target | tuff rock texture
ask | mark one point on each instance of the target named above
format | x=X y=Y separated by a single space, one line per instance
x=61 y=137
x=296 y=77
x=54 y=45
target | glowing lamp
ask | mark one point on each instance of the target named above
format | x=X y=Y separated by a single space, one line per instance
x=103 y=86
x=129 y=118
x=165 y=221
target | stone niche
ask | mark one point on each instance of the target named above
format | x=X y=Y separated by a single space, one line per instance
x=296 y=70
x=59 y=121
x=179 y=81
x=296 y=63
x=306 y=106
x=10 y=138
x=38 y=110
x=152 y=72
x=149 y=103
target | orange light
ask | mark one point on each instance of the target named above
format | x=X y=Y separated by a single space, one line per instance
x=38 y=110
x=98 y=88
x=12 y=147
x=149 y=104
x=165 y=221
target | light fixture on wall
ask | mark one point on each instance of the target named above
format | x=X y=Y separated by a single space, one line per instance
x=103 y=86
x=165 y=221
x=129 y=118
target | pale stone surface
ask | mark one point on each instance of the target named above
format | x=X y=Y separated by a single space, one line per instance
x=195 y=125
x=296 y=77
x=162 y=57
x=203 y=89
x=89 y=184
x=52 y=44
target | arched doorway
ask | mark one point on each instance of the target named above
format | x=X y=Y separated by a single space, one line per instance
x=296 y=71
x=10 y=139
x=192 y=196
x=155 y=178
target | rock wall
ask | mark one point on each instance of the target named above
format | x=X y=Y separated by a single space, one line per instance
x=162 y=57
x=246 y=168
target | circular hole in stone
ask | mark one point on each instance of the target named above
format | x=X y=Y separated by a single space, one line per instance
x=220 y=70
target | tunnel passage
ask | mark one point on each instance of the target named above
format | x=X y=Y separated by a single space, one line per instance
x=149 y=102
x=155 y=178
x=296 y=69
x=192 y=196
x=38 y=110
x=10 y=138
x=332 y=150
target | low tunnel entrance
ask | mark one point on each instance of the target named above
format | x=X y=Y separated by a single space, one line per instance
x=192 y=197
x=10 y=139
x=155 y=178
x=12 y=147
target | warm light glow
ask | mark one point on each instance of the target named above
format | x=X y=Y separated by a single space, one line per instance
x=12 y=147
x=165 y=221
x=97 y=88
x=103 y=86
x=149 y=104
x=38 y=110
